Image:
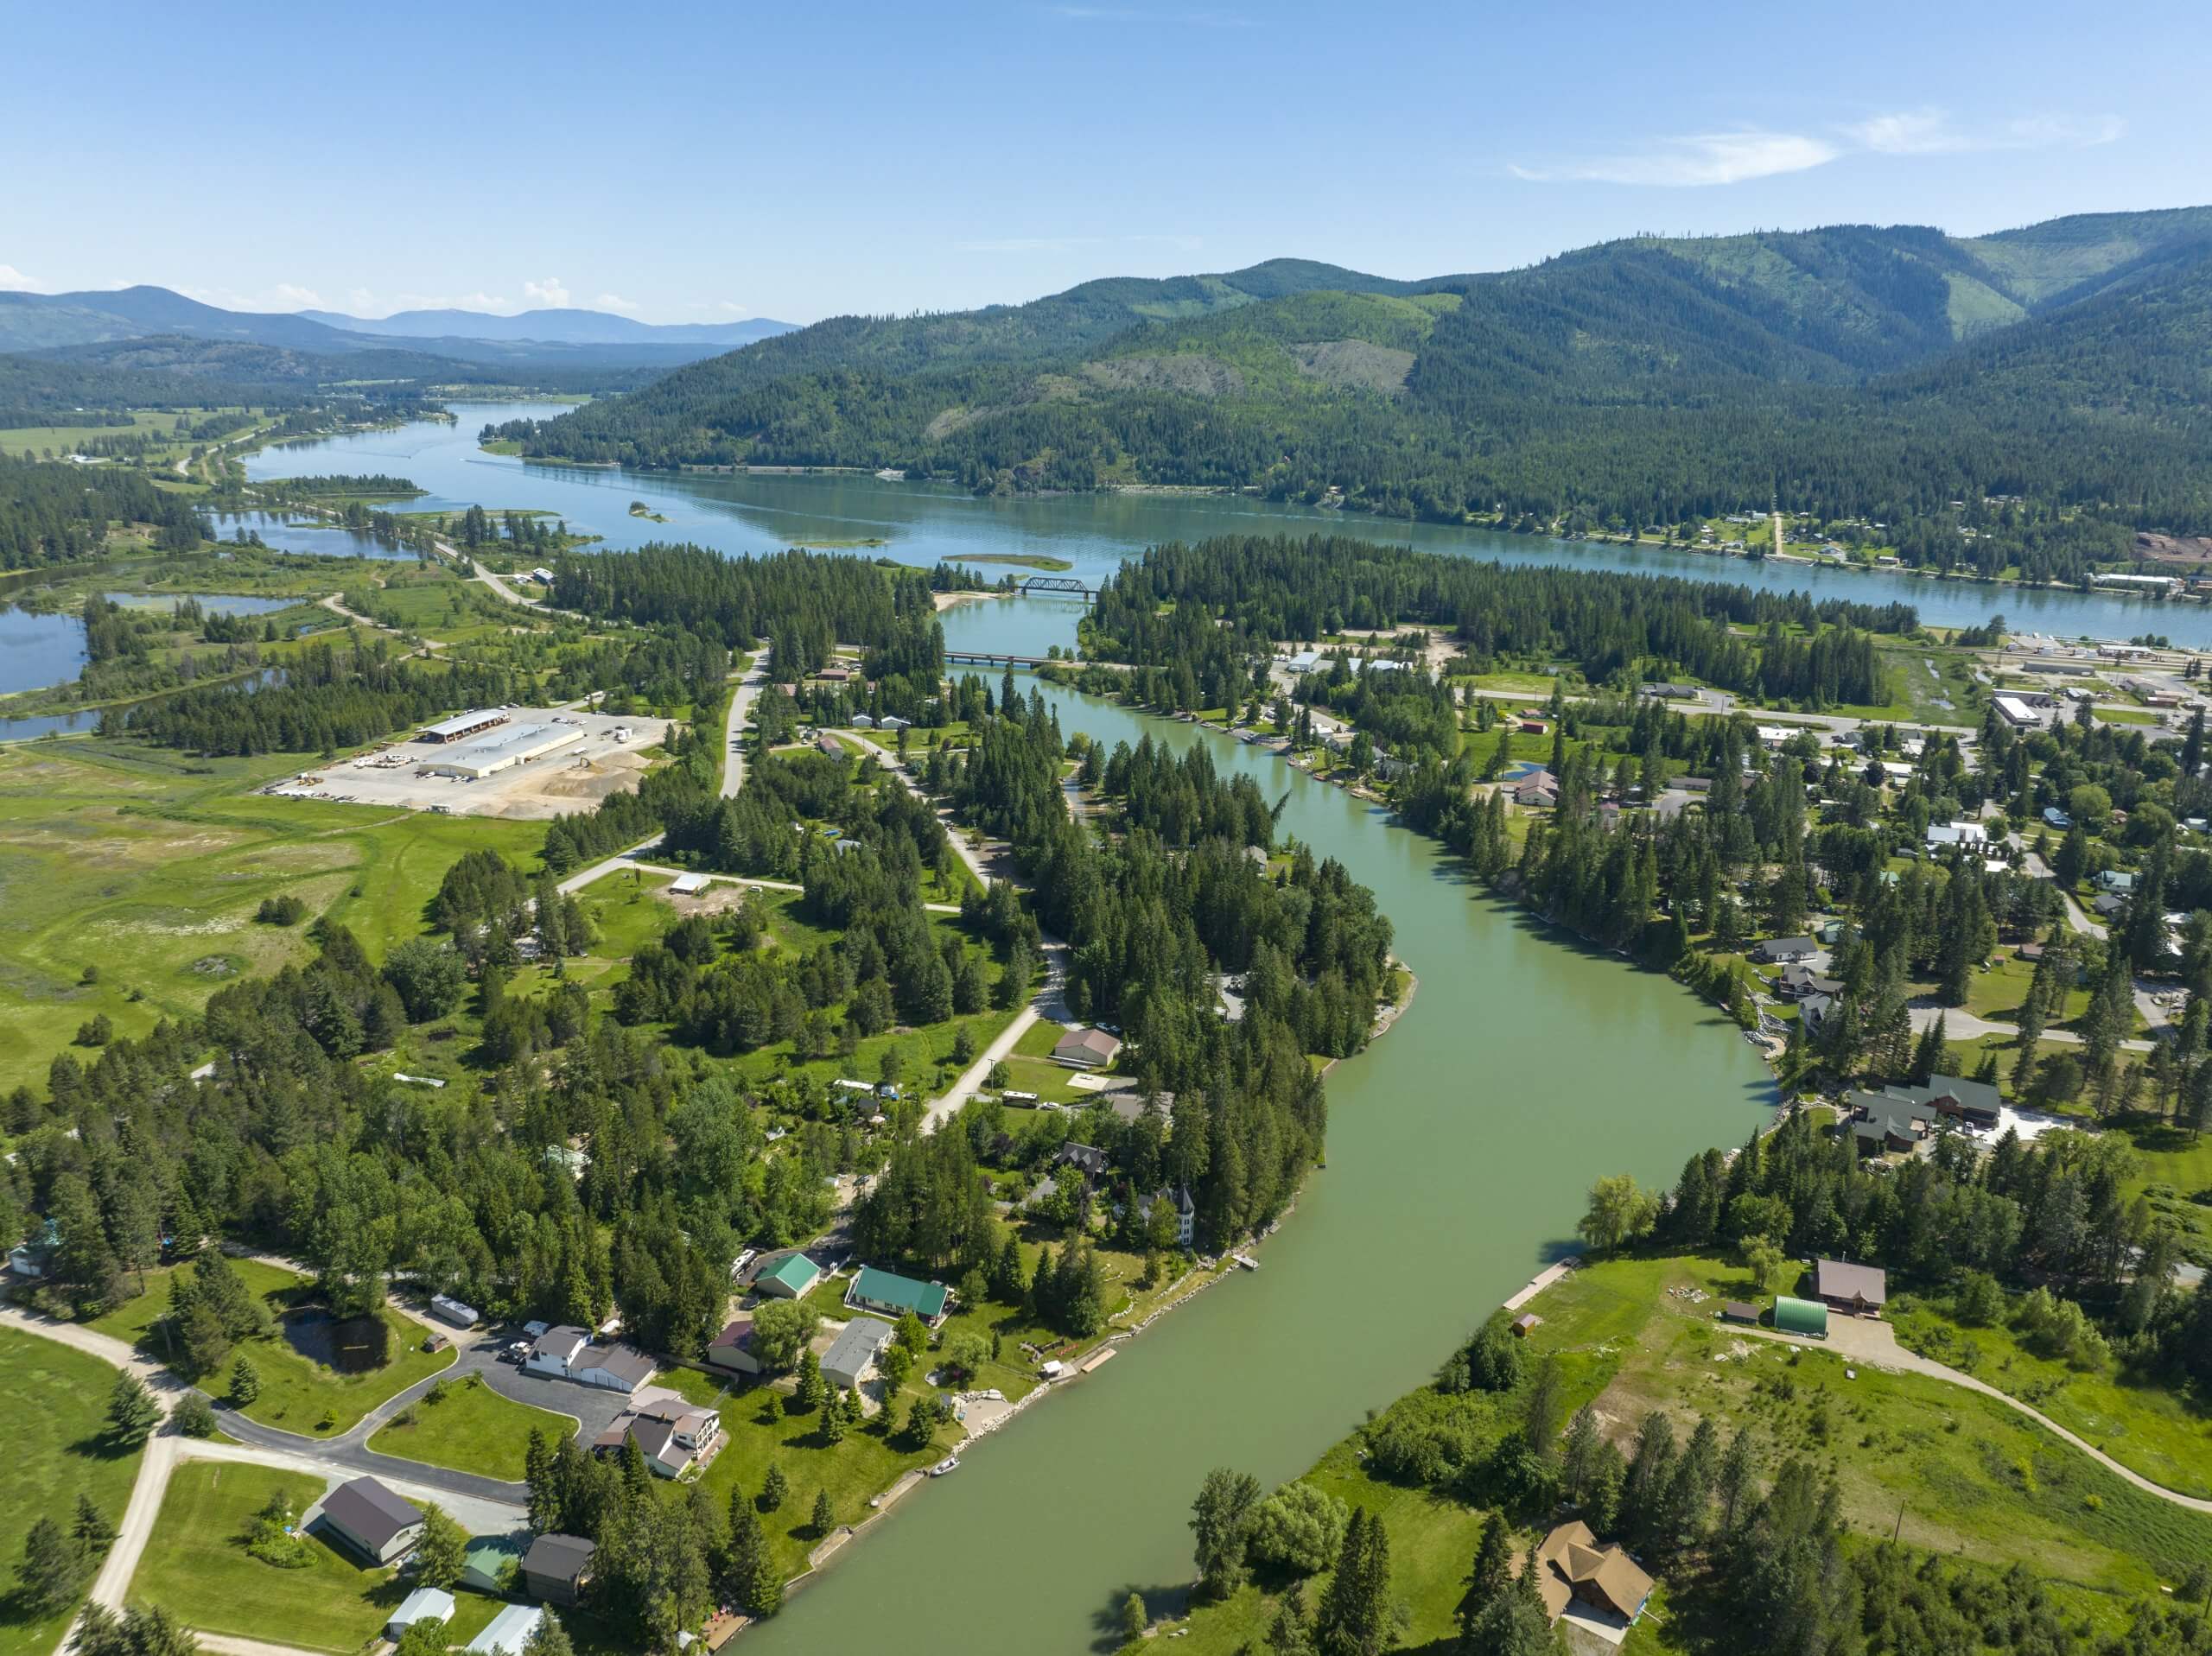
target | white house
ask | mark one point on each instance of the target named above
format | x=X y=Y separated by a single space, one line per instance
x=509 y=1631
x=555 y=1350
x=1958 y=833
x=613 y=1367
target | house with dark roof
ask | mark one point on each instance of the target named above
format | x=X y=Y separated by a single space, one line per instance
x=1780 y=951
x=1855 y=1289
x=372 y=1520
x=1598 y=1590
x=1799 y=979
x=1882 y=1124
x=733 y=1348
x=672 y=1433
x=1082 y=1157
x=1087 y=1049
x=558 y=1567
x=615 y=1367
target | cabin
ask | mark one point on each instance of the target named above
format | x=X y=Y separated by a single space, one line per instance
x=891 y=1295
x=1599 y=1591
x=1854 y=1289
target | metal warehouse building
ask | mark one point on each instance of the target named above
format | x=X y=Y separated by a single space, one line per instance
x=463 y=724
x=488 y=755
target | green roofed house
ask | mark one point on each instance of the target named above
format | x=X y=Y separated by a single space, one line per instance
x=1806 y=1316
x=790 y=1278
x=894 y=1296
x=488 y=1557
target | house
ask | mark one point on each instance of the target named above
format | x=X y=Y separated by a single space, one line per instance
x=1882 y=1124
x=32 y=1259
x=892 y=721
x=733 y=1348
x=372 y=1520
x=488 y=1557
x=1186 y=1211
x=2030 y=953
x=851 y=1357
x=670 y=1432
x=831 y=745
x=1598 y=1592
x=1082 y=1157
x=447 y=1309
x=1799 y=979
x=793 y=1277
x=509 y=1632
x=558 y=1567
x=1780 y=951
x=1856 y=1290
x=615 y=1368
x=892 y=1295
x=553 y=1350
x=2116 y=879
x=423 y=1604
x=1813 y=1012
x=1662 y=692
x=1087 y=1049
x=834 y=674
x=1539 y=789
x=1956 y=834
x=2108 y=904
x=1807 y=1318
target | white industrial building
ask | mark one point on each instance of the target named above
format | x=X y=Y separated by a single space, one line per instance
x=489 y=755
x=2017 y=712
x=462 y=725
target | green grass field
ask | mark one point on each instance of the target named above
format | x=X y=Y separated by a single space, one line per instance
x=1957 y=1472
x=296 y=1393
x=196 y=1566
x=51 y=1441
x=148 y=866
x=470 y=1429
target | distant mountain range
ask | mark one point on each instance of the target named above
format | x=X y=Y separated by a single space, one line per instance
x=551 y=326
x=1853 y=369
x=535 y=339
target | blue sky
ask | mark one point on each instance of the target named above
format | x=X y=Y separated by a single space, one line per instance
x=684 y=163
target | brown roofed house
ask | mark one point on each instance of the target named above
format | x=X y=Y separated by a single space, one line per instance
x=1855 y=1289
x=1600 y=1591
x=557 y=1568
x=1086 y=1049
x=376 y=1522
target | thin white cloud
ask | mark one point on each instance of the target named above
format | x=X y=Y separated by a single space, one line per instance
x=13 y=281
x=1701 y=159
x=292 y=296
x=1693 y=160
x=548 y=292
x=615 y=302
x=1934 y=132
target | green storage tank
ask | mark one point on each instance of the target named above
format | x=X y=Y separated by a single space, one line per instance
x=1807 y=1317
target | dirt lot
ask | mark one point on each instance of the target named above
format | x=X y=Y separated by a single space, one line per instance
x=570 y=778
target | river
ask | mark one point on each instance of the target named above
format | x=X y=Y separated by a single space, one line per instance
x=1460 y=1145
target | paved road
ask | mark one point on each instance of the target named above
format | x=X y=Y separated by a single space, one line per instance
x=740 y=715
x=1959 y=1025
x=1875 y=1343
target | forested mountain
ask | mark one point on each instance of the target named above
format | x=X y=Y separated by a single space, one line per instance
x=562 y=326
x=34 y=321
x=1847 y=370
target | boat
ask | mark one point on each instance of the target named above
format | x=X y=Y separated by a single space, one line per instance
x=950 y=1463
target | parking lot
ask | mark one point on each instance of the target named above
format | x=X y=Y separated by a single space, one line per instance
x=597 y=754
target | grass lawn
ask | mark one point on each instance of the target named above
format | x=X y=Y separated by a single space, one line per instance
x=1961 y=1472
x=196 y=1566
x=52 y=1441
x=470 y=1429
x=148 y=866
x=297 y=1393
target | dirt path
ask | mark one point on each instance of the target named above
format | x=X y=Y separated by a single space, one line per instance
x=1875 y=1343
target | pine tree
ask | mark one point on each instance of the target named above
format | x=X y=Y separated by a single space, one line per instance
x=774 y=1487
x=55 y=1567
x=91 y=1529
x=132 y=1414
x=1492 y=1578
x=824 y=1517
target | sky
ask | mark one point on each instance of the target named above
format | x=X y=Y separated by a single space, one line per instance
x=708 y=163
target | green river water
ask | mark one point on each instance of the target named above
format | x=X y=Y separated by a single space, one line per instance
x=1460 y=1145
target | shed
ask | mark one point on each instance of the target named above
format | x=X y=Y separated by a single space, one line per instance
x=1527 y=1324
x=687 y=885
x=487 y=1559
x=509 y=1631
x=423 y=1604
x=733 y=1348
x=1737 y=1311
x=447 y=1309
x=1806 y=1316
x=1086 y=1049
x=793 y=1279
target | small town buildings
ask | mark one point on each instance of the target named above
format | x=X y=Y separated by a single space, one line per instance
x=793 y=1278
x=1087 y=1049
x=1956 y=834
x=1665 y=692
x=672 y=1433
x=2109 y=904
x=851 y=1357
x=509 y=1632
x=423 y=1604
x=1807 y=1318
x=733 y=1348
x=835 y=673
x=863 y=721
x=1597 y=1592
x=892 y=721
x=1780 y=951
x=488 y=1557
x=489 y=755
x=830 y=745
x=2017 y=712
x=1854 y=1290
x=892 y=1295
x=613 y=1367
x=558 y=1567
x=447 y=1309
x=2116 y=879
x=372 y=1520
